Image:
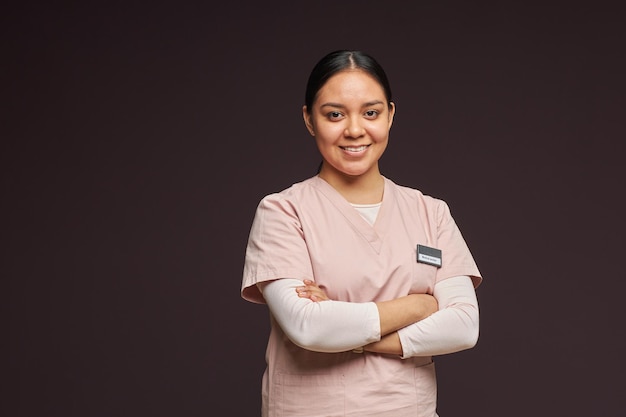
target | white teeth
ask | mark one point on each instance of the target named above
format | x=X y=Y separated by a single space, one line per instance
x=355 y=149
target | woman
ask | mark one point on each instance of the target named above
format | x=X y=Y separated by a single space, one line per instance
x=365 y=280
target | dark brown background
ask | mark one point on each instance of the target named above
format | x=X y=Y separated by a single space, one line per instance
x=138 y=139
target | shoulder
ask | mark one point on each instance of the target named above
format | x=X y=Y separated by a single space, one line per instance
x=288 y=198
x=430 y=209
x=414 y=196
x=293 y=191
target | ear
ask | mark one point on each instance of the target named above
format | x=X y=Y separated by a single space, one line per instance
x=392 y=112
x=308 y=122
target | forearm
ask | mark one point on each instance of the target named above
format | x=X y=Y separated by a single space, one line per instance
x=389 y=344
x=451 y=329
x=328 y=326
x=401 y=312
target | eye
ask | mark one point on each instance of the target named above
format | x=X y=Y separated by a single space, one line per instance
x=371 y=114
x=334 y=115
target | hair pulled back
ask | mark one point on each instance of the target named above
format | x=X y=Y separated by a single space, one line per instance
x=342 y=60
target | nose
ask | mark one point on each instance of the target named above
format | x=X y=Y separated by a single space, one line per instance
x=354 y=129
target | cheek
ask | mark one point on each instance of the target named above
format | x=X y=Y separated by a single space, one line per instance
x=323 y=143
x=328 y=134
x=379 y=134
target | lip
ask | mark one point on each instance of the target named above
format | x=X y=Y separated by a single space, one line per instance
x=354 y=149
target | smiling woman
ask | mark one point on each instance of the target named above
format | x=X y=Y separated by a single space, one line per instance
x=350 y=120
x=365 y=280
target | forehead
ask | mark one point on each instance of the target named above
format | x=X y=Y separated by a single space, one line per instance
x=351 y=85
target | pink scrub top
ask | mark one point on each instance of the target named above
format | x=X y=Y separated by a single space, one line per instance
x=309 y=231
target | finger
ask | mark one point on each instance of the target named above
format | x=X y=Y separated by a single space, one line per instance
x=319 y=294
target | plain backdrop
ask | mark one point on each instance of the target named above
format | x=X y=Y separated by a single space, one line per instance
x=138 y=138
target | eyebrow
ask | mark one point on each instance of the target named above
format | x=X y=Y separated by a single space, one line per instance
x=341 y=106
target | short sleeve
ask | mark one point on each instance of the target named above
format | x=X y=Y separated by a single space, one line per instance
x=276 y=246
x=456 y=257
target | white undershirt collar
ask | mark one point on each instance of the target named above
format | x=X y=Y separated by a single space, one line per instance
x=368 y=211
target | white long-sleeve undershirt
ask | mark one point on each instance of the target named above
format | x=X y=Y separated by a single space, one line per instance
x=324 y=326
x=337 y=326
x=451 y=329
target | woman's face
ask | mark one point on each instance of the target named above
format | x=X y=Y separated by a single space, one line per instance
x=350 y=121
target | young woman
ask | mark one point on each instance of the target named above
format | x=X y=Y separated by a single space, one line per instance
x=365 y=280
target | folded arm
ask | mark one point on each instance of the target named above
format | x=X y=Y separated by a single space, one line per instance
x=336 y=326
x=451 y=329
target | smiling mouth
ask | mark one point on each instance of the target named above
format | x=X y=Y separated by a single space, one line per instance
x=354 y=148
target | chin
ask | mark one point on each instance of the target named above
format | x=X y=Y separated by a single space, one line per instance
x=356 y=172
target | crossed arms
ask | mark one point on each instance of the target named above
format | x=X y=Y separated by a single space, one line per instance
x=412 y=325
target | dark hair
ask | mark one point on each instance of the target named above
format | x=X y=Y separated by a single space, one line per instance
x=338 y=61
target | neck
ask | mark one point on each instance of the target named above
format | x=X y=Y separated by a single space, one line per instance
x=362 y=189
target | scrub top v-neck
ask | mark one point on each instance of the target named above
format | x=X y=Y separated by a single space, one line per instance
x=309 y=231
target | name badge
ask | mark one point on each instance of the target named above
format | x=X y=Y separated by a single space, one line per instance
x=428 y=255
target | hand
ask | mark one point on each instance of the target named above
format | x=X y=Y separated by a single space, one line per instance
x=311 y=291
